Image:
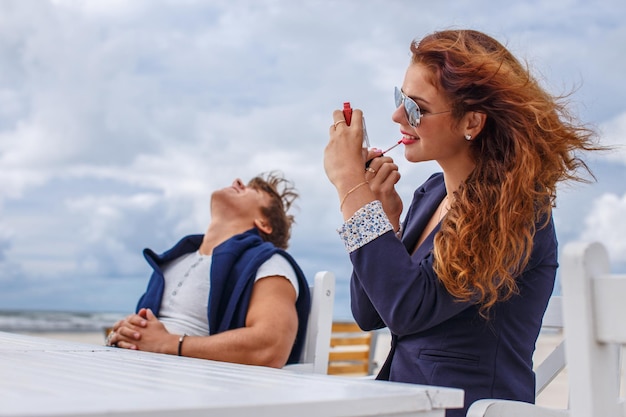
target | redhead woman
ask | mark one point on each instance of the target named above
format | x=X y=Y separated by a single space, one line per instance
x=463 y=281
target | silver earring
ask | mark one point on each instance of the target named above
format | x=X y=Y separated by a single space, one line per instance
x=468 y=137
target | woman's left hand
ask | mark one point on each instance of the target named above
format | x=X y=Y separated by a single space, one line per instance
x=382 y=175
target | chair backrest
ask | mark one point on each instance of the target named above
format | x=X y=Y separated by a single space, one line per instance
x=317 y=341
x=594 y=312
x=550 y=367
x=351 y=350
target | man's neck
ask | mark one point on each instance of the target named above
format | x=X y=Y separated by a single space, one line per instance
x=217 y=233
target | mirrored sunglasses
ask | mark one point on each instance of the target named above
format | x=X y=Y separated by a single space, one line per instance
x=411 y=109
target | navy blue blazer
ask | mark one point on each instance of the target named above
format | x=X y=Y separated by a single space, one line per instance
x=233 y=270
x=436 y=339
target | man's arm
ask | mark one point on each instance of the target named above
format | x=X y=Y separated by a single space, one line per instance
x=267 y=338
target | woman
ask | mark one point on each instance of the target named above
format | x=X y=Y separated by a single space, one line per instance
x=464 y=283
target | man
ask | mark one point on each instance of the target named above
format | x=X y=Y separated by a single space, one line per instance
x=233 y=294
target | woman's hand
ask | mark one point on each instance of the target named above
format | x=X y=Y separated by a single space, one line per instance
x=382 y=175
x=344 y=157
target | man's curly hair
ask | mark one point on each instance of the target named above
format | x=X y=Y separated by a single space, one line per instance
x=282 y=195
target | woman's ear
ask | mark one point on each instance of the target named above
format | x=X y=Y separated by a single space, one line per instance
x=475 y=123
x=263 y=226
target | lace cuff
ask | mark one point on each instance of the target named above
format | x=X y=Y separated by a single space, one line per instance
x=369 y=222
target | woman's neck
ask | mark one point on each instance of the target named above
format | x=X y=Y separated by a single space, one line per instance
x=454 y=174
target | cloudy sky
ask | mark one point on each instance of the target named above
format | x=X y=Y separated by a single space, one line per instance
x=118 y=118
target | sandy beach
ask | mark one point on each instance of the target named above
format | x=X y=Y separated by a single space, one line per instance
x=555 y=395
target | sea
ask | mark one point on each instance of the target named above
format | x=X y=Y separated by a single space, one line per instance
x=56 y=321
x=34 y=321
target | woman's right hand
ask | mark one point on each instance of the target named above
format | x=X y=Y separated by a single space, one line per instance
x=344 y=156
x=382 y=175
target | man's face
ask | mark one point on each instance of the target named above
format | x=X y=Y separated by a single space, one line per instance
x=241 y=201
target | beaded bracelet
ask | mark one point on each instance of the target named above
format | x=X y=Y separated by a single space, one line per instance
x=343 y=200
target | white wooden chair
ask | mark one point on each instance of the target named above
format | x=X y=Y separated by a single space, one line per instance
x=594 y=309
x=317 y=341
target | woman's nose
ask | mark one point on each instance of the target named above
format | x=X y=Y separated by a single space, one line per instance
x=399 y=116
x=238 y=183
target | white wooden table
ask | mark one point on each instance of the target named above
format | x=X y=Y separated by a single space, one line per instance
x=45 y=377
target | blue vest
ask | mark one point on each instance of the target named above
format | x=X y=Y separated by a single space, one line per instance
x=233 y=270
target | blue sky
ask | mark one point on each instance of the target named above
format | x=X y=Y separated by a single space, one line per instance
x=118 y=119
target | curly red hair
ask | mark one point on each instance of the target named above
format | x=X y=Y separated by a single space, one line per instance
x=529 y=143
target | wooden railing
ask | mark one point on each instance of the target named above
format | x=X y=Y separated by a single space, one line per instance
x=351 y=350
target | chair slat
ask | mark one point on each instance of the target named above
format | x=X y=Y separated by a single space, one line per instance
x=610 y=308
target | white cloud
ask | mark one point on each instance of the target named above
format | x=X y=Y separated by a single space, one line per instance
x=606 y=224
x=613 y=133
